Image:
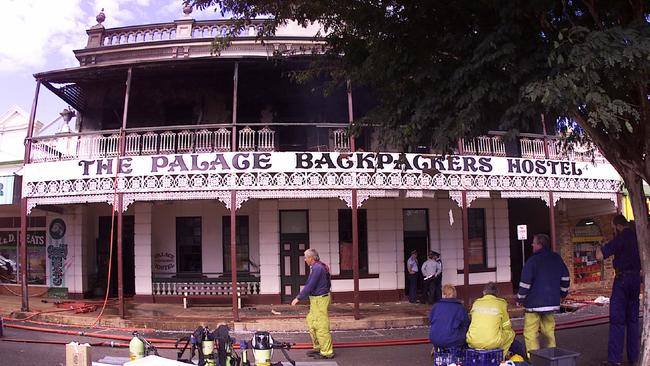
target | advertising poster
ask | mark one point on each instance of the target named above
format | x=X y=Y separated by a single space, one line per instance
x=8 y=256
x=36 y=261
x=57 y=252
x=35 y=257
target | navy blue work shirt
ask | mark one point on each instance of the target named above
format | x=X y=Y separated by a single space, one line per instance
x=625 y=249
x=318 y=282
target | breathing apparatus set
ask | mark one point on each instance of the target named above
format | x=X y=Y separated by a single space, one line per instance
x=139 y=347
x=212 y=348
x=215 y=348
x=263 y=345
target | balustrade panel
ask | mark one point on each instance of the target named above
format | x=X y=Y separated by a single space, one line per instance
x=167 y=142
x=222 y=138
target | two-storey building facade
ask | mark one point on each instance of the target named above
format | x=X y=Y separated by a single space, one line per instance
x=218 y=169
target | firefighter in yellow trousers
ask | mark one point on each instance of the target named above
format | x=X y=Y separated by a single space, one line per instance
x=318 y=289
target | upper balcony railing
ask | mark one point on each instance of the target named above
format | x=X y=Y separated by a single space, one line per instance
x=173 y=30
x=188 y=38
x=259 y=137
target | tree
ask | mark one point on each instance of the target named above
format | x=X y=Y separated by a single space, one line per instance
x=442 y=70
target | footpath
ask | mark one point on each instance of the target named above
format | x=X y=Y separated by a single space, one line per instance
x=279 y=318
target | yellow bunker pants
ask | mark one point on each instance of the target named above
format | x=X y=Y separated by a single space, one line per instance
x=532 y=323
x=318 y=324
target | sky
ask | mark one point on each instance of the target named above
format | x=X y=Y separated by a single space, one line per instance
x=40 y=35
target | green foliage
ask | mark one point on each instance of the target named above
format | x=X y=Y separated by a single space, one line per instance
x=442 y=70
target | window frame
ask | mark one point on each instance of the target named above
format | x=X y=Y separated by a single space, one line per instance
x=239 y=242
x=179 y=255
x=471 y=220
x=362 y=224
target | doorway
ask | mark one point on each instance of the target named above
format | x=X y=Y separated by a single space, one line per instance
x=128 y=255
x=416 y=237
x=534 y=214
x=294 y=240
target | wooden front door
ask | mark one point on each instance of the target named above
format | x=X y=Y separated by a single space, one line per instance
x=294 y=240
x=128 y=254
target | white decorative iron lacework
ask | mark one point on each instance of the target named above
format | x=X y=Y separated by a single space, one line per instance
x=457 y=196
x=188 y=184
x=585 y=195
x=544 y=196
x=103 y=198
x=344 y=195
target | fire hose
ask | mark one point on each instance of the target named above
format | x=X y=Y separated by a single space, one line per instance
x=169 y=343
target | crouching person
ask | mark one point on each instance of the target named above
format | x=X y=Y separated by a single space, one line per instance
x=490 y=327
x=448 y=321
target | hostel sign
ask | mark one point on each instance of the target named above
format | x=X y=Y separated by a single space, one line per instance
x=319 y=162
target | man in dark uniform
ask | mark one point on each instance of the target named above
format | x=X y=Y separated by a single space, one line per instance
x=624 y=302
x=317 y=289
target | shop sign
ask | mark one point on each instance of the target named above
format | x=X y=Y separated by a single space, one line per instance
x=320 y=162
x=6 y=190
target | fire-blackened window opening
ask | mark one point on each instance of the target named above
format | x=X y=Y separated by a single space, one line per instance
x=188 y=244
x=477 y=239
x=345 y=241
x=241 y=241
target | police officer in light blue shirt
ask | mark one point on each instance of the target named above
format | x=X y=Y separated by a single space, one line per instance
x=413 y=273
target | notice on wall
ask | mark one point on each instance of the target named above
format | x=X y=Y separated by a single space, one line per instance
x=164 y=262
x=522 y=232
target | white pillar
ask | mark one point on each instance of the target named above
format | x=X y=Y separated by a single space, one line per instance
x=269 y=228
x=76 y=270
x=142 y=239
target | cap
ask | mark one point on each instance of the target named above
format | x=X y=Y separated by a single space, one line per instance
x=414 y=251
x=434 y=253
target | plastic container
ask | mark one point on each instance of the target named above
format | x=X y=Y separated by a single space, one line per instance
x=448 y=356
x=553 y=357
x=478 y=357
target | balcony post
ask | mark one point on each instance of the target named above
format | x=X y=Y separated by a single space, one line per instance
x=551 y=200
x=355 y=217
x=233 y=205
x=23 y=206
x=120 y=201
x=233 y=255
x=461 y=151
x=235 y=83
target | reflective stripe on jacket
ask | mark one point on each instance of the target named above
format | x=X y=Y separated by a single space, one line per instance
x=544 y=281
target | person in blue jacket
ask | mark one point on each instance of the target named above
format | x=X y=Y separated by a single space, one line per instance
x=448 y=321
x=624 y=302
x=544 y=282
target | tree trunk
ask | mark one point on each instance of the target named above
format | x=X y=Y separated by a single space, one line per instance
x=634 y=185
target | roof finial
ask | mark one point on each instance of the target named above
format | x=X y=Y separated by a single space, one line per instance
x=187 y=9
x=100 y=17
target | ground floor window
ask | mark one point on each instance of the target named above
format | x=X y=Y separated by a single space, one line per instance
x=188 y=244
x=241 y=241
x=36 y=240
x=477 y=239
x=345 y=241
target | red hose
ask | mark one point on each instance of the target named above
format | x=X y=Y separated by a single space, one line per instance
x=166 y=343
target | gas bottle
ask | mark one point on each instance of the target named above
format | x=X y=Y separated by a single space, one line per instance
x=207 y=347
x=136 y=348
